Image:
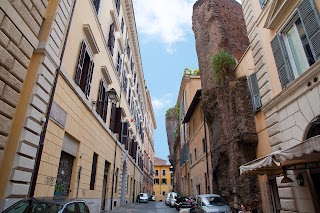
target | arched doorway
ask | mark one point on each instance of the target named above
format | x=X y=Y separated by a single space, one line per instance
x=124 y=183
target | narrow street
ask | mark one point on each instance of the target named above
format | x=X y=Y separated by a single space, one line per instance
x=150 y=207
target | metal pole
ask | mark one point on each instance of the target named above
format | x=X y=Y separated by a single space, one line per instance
x=44 y=130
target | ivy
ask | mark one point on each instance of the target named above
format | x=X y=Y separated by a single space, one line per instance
x=221 y=64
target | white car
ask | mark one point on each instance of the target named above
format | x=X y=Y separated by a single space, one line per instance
x=143 y=198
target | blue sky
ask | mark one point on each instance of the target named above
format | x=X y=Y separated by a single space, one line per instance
x=167 y=47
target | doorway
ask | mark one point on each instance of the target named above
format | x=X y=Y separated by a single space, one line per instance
x=64 y=175
x=104 y=185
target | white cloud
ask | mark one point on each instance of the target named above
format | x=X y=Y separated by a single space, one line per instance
x=167 y=21
x=162 y=102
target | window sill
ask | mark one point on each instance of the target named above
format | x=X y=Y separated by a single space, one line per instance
x=295 y=89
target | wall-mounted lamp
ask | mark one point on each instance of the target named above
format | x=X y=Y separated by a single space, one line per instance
x=112 y=95
x=300 y=180
x=286 y=179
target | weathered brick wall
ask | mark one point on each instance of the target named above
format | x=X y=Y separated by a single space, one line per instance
x=219 y=25
x=20 y=23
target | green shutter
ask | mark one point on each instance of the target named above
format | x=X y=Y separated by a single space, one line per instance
x=89 y=79
x=254 y=91
x=311 y=23
x=279 y=53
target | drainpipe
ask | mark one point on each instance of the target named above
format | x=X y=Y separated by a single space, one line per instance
x=205 y=138
x=44 y=130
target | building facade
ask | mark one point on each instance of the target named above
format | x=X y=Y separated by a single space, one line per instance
x=283 y=68
x=199 y=148
x=84 y=113
x=162 y=179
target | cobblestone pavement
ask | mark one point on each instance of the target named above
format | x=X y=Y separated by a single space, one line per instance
x=150 y=207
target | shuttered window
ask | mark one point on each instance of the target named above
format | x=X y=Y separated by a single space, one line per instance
x=125 y=134
x=84 y=70
x=112 y=117
x=117 y=5
x=117 y=125
x=93 y=171
x=122 y=25
x=96 y=4
x=263 y=3
x=254 y=91
x=111 y=38
x=102 y=102
x=128 y=50
x=297 y=46
x=119 y=63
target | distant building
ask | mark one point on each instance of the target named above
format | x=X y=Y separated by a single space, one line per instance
x=161 y=179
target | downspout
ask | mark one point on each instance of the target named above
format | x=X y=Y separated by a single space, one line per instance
x=44 y=130
x=115 y=156
x=205 y=138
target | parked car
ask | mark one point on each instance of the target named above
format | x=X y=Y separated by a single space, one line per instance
x=152 y=198
x=50 y=205
x=143 y=198
x=171 y=199
x=212 y=203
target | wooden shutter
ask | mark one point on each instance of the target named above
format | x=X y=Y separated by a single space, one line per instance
x=111 y=38
x=93 y=171
x=100 y=99
x=112 y=117
x=125 y=134
x=80 y=62
x=311 y=23
x=105 y=105
x=255 y=93
x=134 y=151
x=117 y=124
x=281 y=60
x=89 y=79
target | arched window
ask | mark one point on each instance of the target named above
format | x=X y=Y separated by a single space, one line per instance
x=314 y=129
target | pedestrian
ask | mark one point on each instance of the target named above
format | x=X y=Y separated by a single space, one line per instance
x=243 y=209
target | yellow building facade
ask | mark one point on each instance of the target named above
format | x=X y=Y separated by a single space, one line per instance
x=282 y=66
x=161 y=179
x=87 y=140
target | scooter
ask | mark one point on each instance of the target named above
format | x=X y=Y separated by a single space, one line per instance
x=184 y=203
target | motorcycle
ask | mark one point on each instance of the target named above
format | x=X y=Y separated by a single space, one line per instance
x=184 y=203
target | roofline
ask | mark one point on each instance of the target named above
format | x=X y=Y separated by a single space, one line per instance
x=195 y=101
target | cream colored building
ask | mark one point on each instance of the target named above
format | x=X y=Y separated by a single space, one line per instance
x=92 y=143
x=199 y=148
x=283 y=69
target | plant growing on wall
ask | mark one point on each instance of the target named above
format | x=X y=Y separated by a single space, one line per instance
x=221 y=64
x=191 y=72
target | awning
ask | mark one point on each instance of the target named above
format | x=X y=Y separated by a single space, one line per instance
x=305 y=152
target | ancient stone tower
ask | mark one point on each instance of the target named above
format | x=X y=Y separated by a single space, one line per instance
x=219 y=25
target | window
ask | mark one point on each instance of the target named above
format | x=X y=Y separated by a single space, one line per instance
x=124 y=81
x=157 y=172
x=116 y=183
x=195 y=154
x=275 y=200
x=83 y=208
x=122 y=25
x=119 y=63
x=190 y=158
x=164 y=181
x=96 y=4
x=163 y=172
x=117 y=5
x=131 y=65
x=84 y=70
x=128 y=50
x=156 y=181
x=111 y=38
x=263 y=3
x=70 y=208
x=163 y=193
x=115 y=118
x=254 y=92
x=102 y=102
x=204 y=145
x=125 y=135
x=297 y=47
x=93 y=171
